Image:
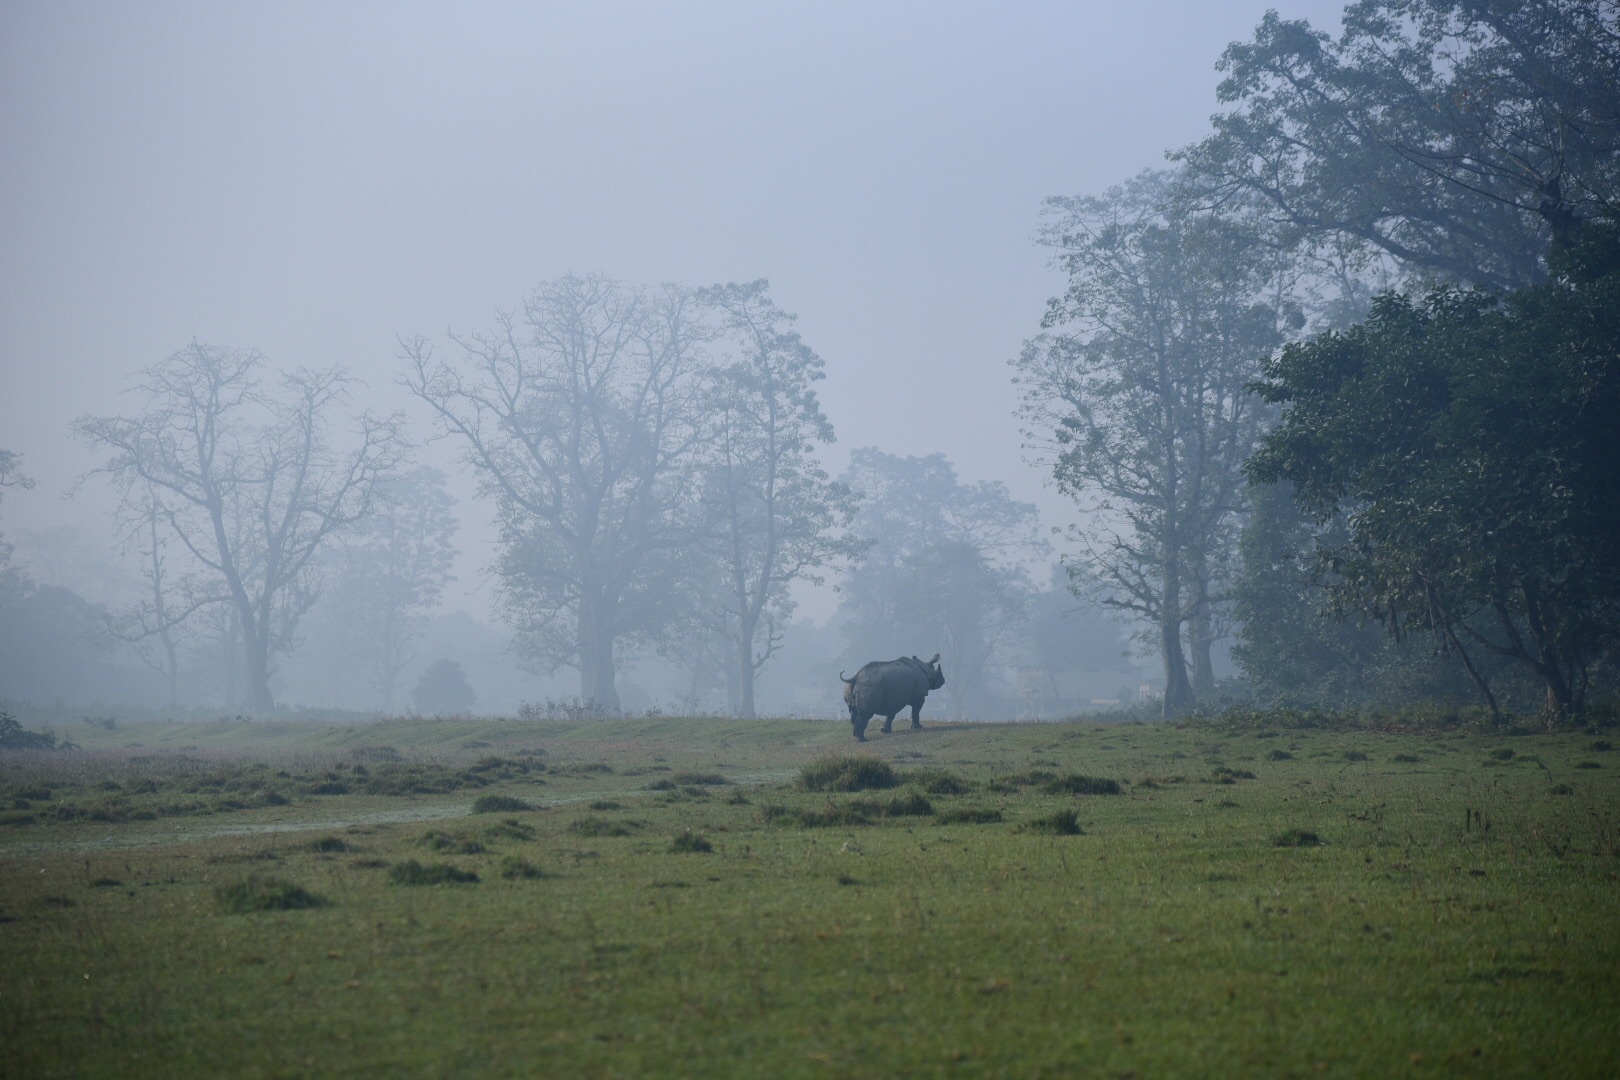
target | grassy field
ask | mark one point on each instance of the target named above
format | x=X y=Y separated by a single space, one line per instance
x=696 y=897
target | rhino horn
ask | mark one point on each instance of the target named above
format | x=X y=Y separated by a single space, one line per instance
x=935 y=660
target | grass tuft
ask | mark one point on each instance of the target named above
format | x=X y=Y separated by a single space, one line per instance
x=1076 y=784
x=514 y=868
x=265 y=894
x=499 y=804
x=329 y=845
x=968 y=815
x=1296 y=838
x=845 y=772
x=690 y=841
x=412 y=872
x=1057 y=823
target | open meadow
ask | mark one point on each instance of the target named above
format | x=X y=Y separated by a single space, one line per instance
x=703 y=897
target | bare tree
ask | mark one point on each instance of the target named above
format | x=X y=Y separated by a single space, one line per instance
x=247 y=479
x=777 y=516
x=580 y=416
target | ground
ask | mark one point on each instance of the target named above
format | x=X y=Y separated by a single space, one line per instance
x=689 y=897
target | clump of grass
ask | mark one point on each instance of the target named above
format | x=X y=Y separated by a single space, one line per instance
x=1406 y=759
x=510 y=829
x=604 y=804
x=265 y=894
x=690 y=841
x=412 y=872
x=911 y=804
x=328 y=787
x=1354 y=755
x=1562 y=789
x=1031 y=778
x=1221 y=774
x=968 y=815
x=499 y=804
x=595 y=826
x=1279 y=755
x=1296 y=838
x=737 y=798
x=256 y=855
x=939 y=782
x=1057 y=823
x=1504 y=754
x=515 y=869
x=329 y=845
x=845 y=772
x=1589 y=765
x=1600 y=746
x=830 y=815
x=584 y=769
x=1076 y=784
x=699 y=779
x=453 y=843
x=664 y=784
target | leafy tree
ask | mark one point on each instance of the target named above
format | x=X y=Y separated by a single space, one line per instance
x=1457 y=137
x=1137 y=397
x=1470 y=442
x=942 y=567
x=245 y=477
x=775 y=516
x=443 y=689
x=581 y=417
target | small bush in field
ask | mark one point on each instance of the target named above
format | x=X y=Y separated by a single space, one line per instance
x=329 y=845
x=1296 y=838
x=1076 y=784
x=968 y=816
x=516 y=869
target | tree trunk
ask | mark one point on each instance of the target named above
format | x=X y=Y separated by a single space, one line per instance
x=745 y=674
x=1178 y=695
x=596 y=674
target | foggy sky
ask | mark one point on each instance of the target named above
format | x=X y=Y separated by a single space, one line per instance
x=316 y=180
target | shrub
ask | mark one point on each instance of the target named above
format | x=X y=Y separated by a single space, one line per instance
x=844 y=772
x=936 y=782
x=1075 y=784
x=604 y=804
x=1223 y=775
x=830 y=815
x=454 y=843
x=414 y=873
x=13 y=736
x=690 y=841
x=499 y=804
x=1279 y=755
x=1406 y=759
x=329 y=844
x=265 y=894
x=1354 y=755
x=1296 y=838
x=511 y=829
x=1058 y=823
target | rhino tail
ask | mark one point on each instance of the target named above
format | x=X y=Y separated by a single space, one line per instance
x=841 y=677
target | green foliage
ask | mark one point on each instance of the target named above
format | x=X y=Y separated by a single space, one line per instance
x=1474 y=438
x=968 y=815
x=1077 y=784
x=513 y=868
x=443 y=689
x=847 y=772
x=265 y=894
x=13 y=736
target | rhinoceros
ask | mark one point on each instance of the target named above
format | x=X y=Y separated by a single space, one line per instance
x=884 y=687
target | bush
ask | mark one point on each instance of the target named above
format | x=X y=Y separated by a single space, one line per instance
x=328 y=845
x=414 y=873
x=265 y=894
x=1296 y=838
x=911 y=804
x=595 y=826
x=843 y=772
x=13 y=736
x=699 y=779
x=499 y=804
x=968 y=816
x=938 y=782
x=454 y=843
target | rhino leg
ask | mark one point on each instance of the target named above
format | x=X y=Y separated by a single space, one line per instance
x=916 y=724
x=888 y=721
x=859 y=723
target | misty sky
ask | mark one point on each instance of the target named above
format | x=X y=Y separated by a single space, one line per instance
x=316 y=180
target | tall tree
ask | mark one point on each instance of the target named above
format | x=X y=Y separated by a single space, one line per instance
x=1470 y=442
x=776 y=516
x=942 y=568
x=580 y=415
x=245 y=476
x=1137 y=397
x=1457 y=137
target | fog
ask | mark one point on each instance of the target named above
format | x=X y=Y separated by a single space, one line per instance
x=325 y=184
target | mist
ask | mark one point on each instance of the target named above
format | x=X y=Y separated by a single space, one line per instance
x=648 y=358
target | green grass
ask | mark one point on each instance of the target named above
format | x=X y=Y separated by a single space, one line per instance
x=1452 y=920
